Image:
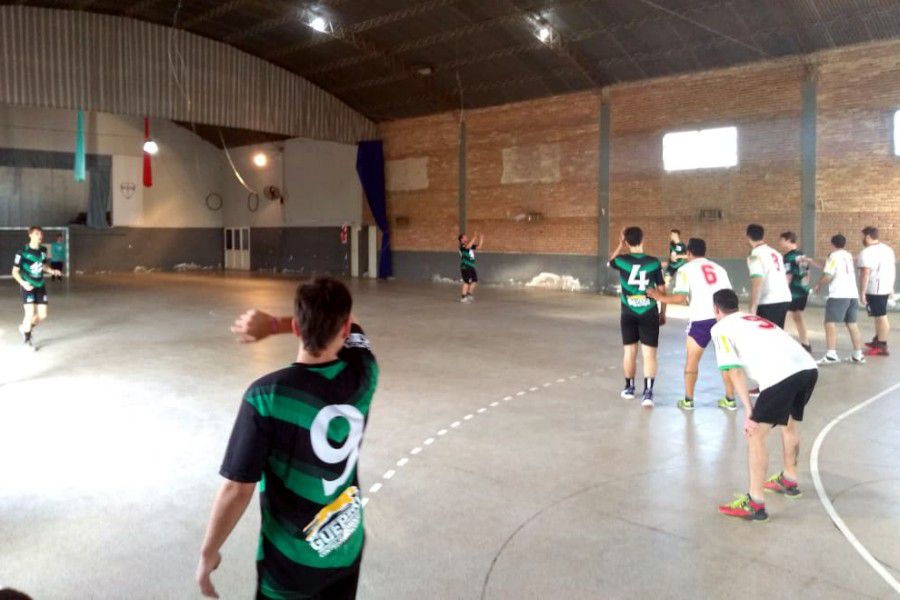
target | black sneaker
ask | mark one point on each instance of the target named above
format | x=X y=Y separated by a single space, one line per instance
x=647 y=399
x=628 y=392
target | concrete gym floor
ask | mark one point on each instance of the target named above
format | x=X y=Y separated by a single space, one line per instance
x=518 y=472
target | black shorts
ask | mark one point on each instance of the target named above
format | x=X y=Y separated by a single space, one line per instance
x=469 y=275
x=775 y=313
x=798 y=303
x=876 y=306
x=787 y=398
x=640 y=328
x=343 y=588
x=35 y=296
x=670 y=270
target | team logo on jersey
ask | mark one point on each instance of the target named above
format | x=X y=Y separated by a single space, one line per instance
x=36 y=268
x=639 y=301
x=336 y=523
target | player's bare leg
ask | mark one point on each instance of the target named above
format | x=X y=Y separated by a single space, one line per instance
x=790 y=439
x=629 y=369
x=800 y=323
x=758 y=455
x=691 y=367
x=882 y=329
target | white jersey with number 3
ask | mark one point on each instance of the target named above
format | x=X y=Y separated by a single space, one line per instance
x=763 y=350
x=700 y=279
x=768 y=264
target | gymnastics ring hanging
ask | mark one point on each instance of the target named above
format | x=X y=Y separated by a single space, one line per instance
x=251 y=206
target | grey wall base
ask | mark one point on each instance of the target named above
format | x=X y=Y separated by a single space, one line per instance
x=495 y=268
x=124 y=248
x=302 y=250
x=517 y=269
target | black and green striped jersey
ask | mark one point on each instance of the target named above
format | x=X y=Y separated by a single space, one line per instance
x=298 y=432
x=678 y=249
x=797 y=268
x=467 y=257
x=637 y=274
x=31 y=263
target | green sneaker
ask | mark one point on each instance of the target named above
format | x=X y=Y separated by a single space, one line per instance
x=728 y=404
x=685 y=404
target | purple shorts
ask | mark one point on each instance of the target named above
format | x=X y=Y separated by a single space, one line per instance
x=700 y=331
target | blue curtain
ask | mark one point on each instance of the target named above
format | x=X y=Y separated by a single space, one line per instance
x=370 y=167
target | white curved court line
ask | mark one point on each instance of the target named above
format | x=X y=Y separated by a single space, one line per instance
x=829 y=507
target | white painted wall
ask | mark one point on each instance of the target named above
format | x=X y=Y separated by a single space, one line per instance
x=270 y=213
x=318 y=179
x=186 y=169
x=322 y=185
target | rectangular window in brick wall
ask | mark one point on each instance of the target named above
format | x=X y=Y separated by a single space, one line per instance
x=703 y=149
x=897 y=133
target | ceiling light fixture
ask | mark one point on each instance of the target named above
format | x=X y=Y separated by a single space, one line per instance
x=151 y=147
x=319 y=24
x=260 y=159
x=543 y=31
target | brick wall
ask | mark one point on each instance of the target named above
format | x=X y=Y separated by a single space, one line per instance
x=541 y=157
x=858 y=176
x=764 y=102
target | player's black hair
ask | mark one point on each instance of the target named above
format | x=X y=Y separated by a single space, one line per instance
x=871 y=231
x=838 y=241
x=789 y=236
x=460 y=237
x=633 y=236
x=697 y=246
x=321 y=306
x=678 y=231
x=726 y=301
x=34 y=228
x=756 y=232
x=11 y=594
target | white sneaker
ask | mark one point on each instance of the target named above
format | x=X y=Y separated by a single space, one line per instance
x=857 y=360
x=828 y=360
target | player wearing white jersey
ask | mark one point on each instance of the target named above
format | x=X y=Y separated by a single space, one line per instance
x=749 y=345
x=695 y=284
x=770 y=295
x=877 y=276
x=841 y=307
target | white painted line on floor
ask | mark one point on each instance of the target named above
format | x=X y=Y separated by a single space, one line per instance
x=548 y=384
x=415 y=450
x=586 y=373
x=442 y=432
x=468 y=417
x=402 y=461
x=364 y=501
x=532 y=389
x=610 y=367
x=389 y=474
x=507 y=398
x=481 y=410
x=573 y=376
x=829 y=507
x=560 y=380
x=375 y=487
x=520 y=393
x=495 y=403
x=455 y=424
x=429 y=441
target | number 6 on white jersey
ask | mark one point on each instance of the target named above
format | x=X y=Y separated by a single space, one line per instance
x=327 y=453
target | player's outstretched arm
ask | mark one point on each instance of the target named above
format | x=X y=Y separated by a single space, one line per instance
x=254 y=325
x=51 y=271
x=228 y=507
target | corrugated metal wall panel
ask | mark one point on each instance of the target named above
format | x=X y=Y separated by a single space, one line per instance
x=81 y=60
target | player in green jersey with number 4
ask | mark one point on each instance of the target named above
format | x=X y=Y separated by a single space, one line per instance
x=298 y=432
x=641 y=315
